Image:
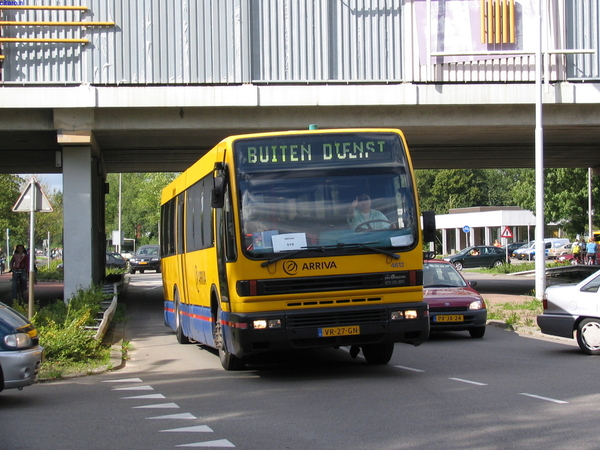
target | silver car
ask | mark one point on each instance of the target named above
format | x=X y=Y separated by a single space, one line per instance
x=574 y=308
x=20 y=353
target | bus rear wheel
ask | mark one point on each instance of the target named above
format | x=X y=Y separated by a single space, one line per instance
x=378 y=353
x=228 y=361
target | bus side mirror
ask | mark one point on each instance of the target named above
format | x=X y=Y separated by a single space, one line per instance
x=217 y=199
x=428 y=226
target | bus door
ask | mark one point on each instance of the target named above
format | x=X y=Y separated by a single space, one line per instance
x=181 y=264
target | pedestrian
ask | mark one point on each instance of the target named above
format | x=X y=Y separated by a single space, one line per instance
x=577 y=252
x=497 y=244
x=19 y=265
x=591 y=249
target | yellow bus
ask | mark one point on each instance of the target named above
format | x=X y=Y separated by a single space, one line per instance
x=294 y=240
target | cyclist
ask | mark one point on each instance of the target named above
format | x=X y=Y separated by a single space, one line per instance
x=19 y=265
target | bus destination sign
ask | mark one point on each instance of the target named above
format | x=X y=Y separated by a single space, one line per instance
x=322 y=149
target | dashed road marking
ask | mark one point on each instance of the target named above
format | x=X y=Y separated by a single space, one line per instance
x=192 y=429
x=476 y=383
x=182 y=416
x=412 y=369
x=547 y=399
x=222 y=443
x=159 y=406
x=134 y=388
x=143 y=397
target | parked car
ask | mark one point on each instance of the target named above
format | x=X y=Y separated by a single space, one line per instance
x=559 y=249
x=20 y=353
x=115 y=260
x=574 y=308
x=549 y=243
x=517 y=251
x=478 y=256
x=147 y=257
x=453 y=303
x=513 y=246
x=570 y=258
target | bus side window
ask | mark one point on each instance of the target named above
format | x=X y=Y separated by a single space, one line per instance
x=230 y=249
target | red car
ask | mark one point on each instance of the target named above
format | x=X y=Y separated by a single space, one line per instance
x=453 y=303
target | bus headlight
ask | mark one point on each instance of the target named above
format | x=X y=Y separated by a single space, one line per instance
x=408 y=314
x=264 y=324
x=411 y=314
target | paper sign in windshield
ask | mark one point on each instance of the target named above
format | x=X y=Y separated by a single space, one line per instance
x=286 y=242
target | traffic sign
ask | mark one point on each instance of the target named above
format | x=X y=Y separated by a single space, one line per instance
x=33 y=199
x=506 y=233
x=467 y=229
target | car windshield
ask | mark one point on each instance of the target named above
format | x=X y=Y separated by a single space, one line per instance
x=147 y=251
x=334 y=208
x=441 y=275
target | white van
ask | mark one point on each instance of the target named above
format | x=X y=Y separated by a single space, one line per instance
x=549 y=243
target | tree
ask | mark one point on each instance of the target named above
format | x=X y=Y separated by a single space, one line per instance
x=17 y=223
x=140 y=215
x=565 y=198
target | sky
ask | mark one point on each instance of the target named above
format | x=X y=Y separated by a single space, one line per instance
x=50 y=181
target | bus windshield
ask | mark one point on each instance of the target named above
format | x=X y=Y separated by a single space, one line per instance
x=336 y=205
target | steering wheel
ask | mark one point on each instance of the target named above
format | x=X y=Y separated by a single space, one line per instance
x=366 y=226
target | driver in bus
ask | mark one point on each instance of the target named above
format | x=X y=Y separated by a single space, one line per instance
x=360 y=212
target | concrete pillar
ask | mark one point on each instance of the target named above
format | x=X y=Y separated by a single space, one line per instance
x=83 y=199
x=444 y=241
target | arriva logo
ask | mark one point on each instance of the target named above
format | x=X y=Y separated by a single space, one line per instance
x=291 y=268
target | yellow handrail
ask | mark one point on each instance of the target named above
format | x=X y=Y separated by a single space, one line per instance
x=65 y=8
x=58 y=24
x=59 y=41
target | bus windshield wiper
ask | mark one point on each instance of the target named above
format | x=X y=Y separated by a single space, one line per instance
x=322 y=248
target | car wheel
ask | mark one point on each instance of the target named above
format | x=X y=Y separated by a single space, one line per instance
x=131 y=271
x=458 y=265
x=497 y=263
x=228 y=361
x=477 y=332
x=588 y=336
x=181 y=338
x=378 y=353
x=141 y=271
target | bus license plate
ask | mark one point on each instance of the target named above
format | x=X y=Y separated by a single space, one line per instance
x=339 y=331
x=450 y=318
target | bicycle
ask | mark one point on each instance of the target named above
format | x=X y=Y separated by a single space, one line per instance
x=20 y=280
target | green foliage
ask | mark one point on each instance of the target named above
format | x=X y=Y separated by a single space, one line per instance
x=442 y=190
x=17 y=223
x=63 y=330
x=565 y=192
x=140 y=199
x=52 y=273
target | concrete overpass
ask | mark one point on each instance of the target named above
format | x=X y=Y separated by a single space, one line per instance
x=129 y=99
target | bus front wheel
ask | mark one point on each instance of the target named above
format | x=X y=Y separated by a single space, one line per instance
x=378 y=353
x=228 y=361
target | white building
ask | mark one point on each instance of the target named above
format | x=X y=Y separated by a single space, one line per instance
x=463 y=227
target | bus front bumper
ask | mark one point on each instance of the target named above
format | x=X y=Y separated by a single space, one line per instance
x=248 y=334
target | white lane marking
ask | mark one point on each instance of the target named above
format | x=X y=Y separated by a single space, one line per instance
x=409 y=368
x=143 y=397
x=469 y=381
x=124 y=380
x=219 y=443
x=547 y=399
x=193 y=429
x=159 y=406
x=134 y=388
x=182 y=416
